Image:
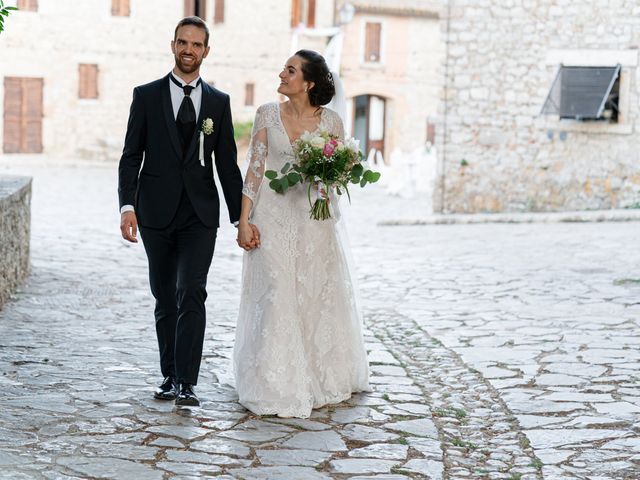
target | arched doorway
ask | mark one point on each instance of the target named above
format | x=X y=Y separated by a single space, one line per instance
x=369 y=112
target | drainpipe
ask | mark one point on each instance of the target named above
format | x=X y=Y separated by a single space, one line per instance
x=443 y=154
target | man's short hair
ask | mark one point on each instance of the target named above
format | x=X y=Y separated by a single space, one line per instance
x=196 y=22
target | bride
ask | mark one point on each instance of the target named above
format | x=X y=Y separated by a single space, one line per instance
x=298 y=342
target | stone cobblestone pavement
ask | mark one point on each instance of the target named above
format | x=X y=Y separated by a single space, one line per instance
x=504 y=351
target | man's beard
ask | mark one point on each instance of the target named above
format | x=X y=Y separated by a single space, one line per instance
x=188 y=68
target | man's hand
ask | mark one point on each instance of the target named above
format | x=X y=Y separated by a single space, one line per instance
x=129 y=226
x=248 y=236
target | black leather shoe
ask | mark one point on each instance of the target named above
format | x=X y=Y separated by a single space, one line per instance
x=186 y=396
x=168 y=390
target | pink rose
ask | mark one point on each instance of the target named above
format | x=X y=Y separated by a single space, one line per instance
x=329 y=148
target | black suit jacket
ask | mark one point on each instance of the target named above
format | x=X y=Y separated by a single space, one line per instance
x=154 y=190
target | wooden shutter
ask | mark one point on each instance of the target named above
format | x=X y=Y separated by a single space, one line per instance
x=28 y=5
x=201 y=9
x=120 y=8
x=88 y=81
x=189 y=8
x=12 y=114
x=32 y=101
x=295 y=13
x=372 y=42
x=248 y=94
x=218 y=13
x=22 y=115
x=311 y=14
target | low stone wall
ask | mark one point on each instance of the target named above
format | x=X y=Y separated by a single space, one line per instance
x=15 y=230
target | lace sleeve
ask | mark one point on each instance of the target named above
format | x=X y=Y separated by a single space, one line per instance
x=256 y=157
x=335 y=124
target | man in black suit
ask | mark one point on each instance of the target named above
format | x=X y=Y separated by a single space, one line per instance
x=174 y=125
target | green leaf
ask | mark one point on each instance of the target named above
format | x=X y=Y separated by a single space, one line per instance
x=284 y=181
x=285 y=168
x=271 y=174
x=375 y=176
x=357 y=170
x=363 y=182
x=276 y=185
x=293 y=178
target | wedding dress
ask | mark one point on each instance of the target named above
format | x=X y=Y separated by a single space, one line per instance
x=299 y=341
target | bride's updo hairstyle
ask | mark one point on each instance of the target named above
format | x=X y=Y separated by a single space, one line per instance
x=315 y=69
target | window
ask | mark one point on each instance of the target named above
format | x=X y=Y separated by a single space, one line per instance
x=218 y=12
x=303 y=12
x=22 y=115
x=585 y=93
x=248 y=94
x=120 y=8
x=28 y=5
x=197 y=8
x=372 y=42
x=88 y=84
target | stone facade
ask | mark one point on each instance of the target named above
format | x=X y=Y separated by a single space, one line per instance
x=497 y=153
x=408 y=74
x=15 y=228
x=250 y=46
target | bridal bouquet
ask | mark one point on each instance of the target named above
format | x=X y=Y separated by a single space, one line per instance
x=324 y=162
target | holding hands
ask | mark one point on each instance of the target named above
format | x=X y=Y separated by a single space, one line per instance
x=248 y=236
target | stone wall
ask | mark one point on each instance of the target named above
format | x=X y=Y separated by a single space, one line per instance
x=496 y=152
x=15 y=223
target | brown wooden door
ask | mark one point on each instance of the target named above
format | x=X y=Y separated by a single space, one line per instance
x=22 y=115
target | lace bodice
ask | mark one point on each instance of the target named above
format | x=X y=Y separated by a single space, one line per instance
x=270 y=148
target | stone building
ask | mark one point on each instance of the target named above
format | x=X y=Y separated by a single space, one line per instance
x=497 y=150
x=390 y=66
x=69 y=67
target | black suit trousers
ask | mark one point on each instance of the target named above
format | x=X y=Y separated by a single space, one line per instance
x=179 y=259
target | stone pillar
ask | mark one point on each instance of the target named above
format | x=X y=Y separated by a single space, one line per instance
x=15 y=230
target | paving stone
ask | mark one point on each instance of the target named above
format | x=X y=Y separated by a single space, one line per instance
x=279 y=473
x=384 y=451
x=358 y=414
x=421 y=428
x=357 y=465
x=110 y=468
x=550 y=438
x=429 y=469
x=308 y=458
x=223 y=446
x=327 y=441
x=367 y=434
x=186 y=433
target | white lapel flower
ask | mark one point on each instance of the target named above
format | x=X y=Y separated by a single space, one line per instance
x=207 y=126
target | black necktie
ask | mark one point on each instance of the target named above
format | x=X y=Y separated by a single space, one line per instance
x=186 y=119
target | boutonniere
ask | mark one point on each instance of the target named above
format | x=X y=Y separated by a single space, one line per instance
x=206 y=129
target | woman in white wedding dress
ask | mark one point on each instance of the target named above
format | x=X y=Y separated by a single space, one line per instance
x=299 y=340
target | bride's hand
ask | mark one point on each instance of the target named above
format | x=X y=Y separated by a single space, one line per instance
x=246 y=237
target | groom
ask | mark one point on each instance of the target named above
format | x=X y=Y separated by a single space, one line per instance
x=174 y=200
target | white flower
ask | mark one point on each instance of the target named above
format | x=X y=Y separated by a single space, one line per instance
x=340 y=147
x=207 y=126
x=317 y=142
x=306 y=137
x=352 y=144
